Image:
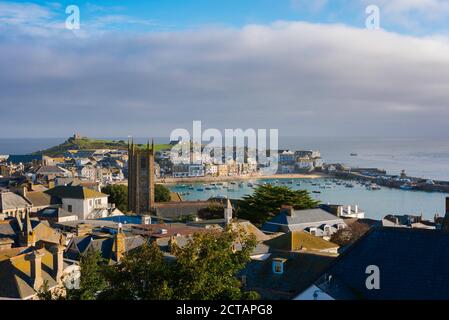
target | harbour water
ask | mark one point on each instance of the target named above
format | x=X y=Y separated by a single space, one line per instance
x=376 y=204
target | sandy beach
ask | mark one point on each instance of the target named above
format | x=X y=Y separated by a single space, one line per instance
x=240 y=178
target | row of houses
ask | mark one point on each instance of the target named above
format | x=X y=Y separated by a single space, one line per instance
x=299 y=161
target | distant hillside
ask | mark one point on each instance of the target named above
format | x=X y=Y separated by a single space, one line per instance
x=90 y=144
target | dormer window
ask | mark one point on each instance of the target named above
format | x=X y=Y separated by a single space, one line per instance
x=278 y=265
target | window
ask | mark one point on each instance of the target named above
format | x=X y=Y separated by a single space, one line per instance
x=69 y=208
x=90 y=203
x=277 y=268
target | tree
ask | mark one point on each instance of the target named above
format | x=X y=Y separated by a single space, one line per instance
x=143 y=274
x=267 y=200
x=161 y=193
x=206 y=267
x=92 y=280
x=351 y=234
x=118 y=194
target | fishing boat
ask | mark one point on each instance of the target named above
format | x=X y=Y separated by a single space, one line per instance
x=373 y=186
x=200 y=189
x=354 y=154
x=316 y=191
x=349 y=185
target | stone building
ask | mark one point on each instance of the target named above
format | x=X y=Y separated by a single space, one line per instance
x=141 y=179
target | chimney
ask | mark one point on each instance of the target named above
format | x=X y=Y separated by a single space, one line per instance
x=278 y=265
x=58 y=261
x=145 y=220
x=35 y=259
x=349 y=209
x=119 y=243
x=356 y=209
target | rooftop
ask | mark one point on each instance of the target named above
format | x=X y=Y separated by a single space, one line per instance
x=413 y=264
x=74 y=192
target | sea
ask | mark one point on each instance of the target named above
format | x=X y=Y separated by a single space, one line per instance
x=419 y=157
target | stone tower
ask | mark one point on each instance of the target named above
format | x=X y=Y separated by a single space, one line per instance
x=141 y=177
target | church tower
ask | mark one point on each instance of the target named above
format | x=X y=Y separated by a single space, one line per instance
x=141 y=176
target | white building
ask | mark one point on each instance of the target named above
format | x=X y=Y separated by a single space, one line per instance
x=82 y=202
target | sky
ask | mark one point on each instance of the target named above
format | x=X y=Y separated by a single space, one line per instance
x=145 y=68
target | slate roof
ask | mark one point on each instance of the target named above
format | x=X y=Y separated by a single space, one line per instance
x=175 y=210
x=300 y=270
x=15 y=275
x=105 y=245
x=11 y=201
x=54 y=213
x=38 y=198
x=301 y=220
x=413 y=263
x=74 y=192
x=44 y=170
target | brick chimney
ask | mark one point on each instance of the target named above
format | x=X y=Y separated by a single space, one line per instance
x=35 y=259
x=58 y=261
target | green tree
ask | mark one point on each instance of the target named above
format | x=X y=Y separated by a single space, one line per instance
x=161 y=193
x=143 y=274
x=118 y=194
x=92 y=280
x=267 y=200
x=206 y=267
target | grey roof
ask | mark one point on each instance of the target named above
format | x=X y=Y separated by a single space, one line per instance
x=413 y=264
x=54 y=213
x=300 y=270
x=79 y=245
x=51 y=170
x=11 y=201
x=302 y=219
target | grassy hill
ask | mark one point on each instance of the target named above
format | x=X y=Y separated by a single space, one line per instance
x=91 y=144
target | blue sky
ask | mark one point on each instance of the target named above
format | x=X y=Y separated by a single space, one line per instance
x=144 y=68
x=417 y=17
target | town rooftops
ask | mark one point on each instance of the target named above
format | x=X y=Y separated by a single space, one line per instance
x=27 y=158
x=413 y=265
x=74 y=192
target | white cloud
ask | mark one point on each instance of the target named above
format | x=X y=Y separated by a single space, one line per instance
x=302 y=78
